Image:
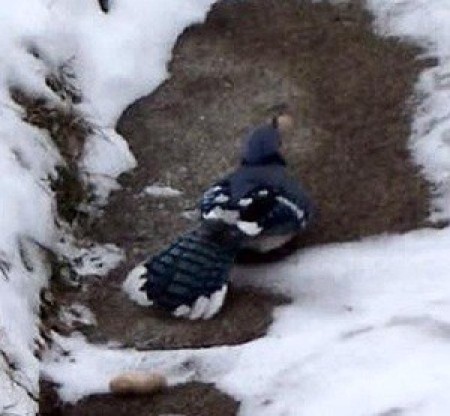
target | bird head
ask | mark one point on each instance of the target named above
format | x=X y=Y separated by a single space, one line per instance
x=263 y=144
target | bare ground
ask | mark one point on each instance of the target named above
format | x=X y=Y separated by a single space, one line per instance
x=352 y=94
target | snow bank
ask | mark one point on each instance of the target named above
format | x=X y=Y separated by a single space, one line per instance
x=27 y=159
x=122 y=55
x=426 y=22
x=368 y=334
x=116 y=58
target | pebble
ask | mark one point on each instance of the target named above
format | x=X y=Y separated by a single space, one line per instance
x=137 y=383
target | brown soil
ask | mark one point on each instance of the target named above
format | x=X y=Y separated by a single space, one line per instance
x=134 y=326
x=351 y=93
x=192 y=399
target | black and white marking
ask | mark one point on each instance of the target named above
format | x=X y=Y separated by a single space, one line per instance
x=133 y=285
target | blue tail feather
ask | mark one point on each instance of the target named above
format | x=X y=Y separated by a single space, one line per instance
x=196 y=265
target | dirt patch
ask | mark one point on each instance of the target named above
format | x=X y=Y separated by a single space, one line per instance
x=192 y=399
x=133 y=326
x=349 y=148
x=351 y=93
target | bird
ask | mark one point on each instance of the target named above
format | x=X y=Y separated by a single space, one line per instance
x=258 y=205
x=270 y=205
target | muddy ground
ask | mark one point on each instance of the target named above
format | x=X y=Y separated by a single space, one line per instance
x=352 y=95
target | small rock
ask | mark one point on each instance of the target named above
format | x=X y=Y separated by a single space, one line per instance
x=137 y=383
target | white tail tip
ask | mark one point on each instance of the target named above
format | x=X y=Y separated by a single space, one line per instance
x=133 y=283
x=204 y=307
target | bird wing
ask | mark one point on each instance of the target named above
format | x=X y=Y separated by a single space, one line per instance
x=263 y=209
x=258 y=199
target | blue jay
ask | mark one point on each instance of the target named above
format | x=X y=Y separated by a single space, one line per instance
x=258 y=205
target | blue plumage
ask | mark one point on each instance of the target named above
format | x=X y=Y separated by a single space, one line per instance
x=262 y=147
x=196 y=266
x=260 y=191
x=255 y=202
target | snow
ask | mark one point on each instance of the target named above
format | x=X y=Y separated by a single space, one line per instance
x=368 y=332
x=426 y=22
x=116 y=58
x=105 y=156
x=23 y=160
x=86 y=369
x=122 y=55
x=77 y=314
x=93 y=260
x=161 y=191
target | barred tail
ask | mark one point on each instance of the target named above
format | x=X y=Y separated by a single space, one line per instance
x=190 y=277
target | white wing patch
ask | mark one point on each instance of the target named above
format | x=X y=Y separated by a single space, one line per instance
x=263 y=192
x=221 y=198
x=250 y=228
x=204 y=307
x=245 y=202
x=297 y=211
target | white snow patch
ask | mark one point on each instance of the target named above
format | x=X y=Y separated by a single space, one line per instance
x=106 y=155
x=426 y=22
x=122 y=55
x=20 y=285
x=89 y=259
x=77 y=314
x=85 y=369
x=162 y=191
